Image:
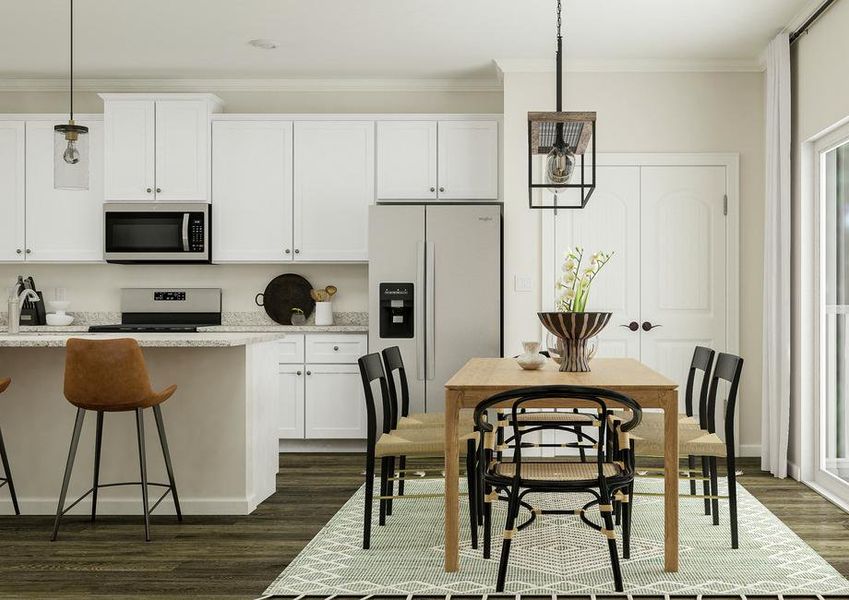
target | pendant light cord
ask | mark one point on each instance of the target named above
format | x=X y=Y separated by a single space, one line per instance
x=559 y=61
x=71 y=78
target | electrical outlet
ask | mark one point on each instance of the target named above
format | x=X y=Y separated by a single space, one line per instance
x=523 y=283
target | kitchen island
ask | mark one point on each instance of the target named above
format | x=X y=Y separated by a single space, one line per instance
x=221 y=423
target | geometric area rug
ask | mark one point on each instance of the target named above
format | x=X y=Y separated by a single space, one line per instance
x=558 y=555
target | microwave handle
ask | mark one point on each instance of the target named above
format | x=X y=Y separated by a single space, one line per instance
x=185 y=232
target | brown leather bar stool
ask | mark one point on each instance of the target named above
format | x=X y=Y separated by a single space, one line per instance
x=7 y=473
x=110 y=376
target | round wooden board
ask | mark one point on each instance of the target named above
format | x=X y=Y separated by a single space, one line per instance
x=283 y=293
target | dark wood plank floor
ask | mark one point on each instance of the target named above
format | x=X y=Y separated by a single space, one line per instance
x=236 y=557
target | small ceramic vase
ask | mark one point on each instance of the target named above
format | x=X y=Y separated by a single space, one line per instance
x=531 y=359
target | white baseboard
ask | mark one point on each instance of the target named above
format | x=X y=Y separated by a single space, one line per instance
x=793 y=471
x=131 y=506
x=750 y=450
x=346 y=446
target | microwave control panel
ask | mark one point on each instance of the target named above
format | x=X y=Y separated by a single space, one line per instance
x=196 y=232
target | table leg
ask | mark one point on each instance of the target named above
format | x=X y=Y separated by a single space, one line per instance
x=670 y=464
x=452 y=480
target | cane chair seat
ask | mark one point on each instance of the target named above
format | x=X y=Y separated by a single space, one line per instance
x=692 y=442
x=435 y=419
x=569 y=418
x=418 y=442
x=558 y=471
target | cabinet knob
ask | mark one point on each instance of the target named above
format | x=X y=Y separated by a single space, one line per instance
x=18 y=251
x=149 y=190
x=441 y=189
x=336 y=348
x=158 y=190
x=309 y=372
x=433 y=189
x=29 y=251
x=298 y=252
x=288 y=251
x=299 y=372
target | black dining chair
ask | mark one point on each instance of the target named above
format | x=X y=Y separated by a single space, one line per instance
x=409 y=443
x=704 y=441
x=609 y=475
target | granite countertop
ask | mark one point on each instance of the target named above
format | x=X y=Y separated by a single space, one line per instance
x=145 y=340
x=231 y=323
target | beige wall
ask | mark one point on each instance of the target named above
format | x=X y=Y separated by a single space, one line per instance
x=96 y=287
x=646 y=112
x=820 y=60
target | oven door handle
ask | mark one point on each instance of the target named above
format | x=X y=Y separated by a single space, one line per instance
x=185 y=232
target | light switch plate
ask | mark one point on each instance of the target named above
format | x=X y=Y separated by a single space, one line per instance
x=523 y=283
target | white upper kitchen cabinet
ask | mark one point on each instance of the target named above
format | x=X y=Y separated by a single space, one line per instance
x=62 y=225
x=157 y=147
x=252 y=191
x=406 y=160
x=334 y=186
x=12 y=196
x=468 y=160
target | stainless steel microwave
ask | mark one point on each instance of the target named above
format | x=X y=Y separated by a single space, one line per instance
x=156 y=232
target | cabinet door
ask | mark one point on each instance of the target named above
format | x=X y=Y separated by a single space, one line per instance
x=12 y=190
x=468 y=160
x=62 y=225
x=334 y=186
x=335 y=405
x=129 y=150
x=252 y=191
x=406 y=160
x=290 y=408
x=182 y=150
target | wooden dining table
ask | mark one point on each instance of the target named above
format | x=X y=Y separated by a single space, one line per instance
x=480 y=378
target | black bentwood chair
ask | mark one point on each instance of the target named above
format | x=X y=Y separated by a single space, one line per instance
x=396 y=443
x=704 y=442
x=610 y=474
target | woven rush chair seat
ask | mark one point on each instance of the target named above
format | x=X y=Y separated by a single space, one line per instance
x=655 y=419
x=556 y=417
x=693 y=442
x=558 y=471
x=430 y=420
x=417 y=442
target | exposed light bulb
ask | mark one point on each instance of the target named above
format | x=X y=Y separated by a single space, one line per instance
x=559 y=165
x=71 y=154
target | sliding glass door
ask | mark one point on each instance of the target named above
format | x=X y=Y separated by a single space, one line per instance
x=831 y=441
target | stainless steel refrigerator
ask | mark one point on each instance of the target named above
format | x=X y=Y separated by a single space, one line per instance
x=435 y=290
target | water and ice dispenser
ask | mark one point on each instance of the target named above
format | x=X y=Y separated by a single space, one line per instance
x=396 y=310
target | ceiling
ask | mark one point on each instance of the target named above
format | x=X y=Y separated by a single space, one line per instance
x=379 y=39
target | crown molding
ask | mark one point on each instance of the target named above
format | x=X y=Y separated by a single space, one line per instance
x=251 y=85
x=629 y=66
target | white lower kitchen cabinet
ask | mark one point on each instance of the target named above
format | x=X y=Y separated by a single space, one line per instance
x=334 y=407
x=320 y=390
x=291 y=402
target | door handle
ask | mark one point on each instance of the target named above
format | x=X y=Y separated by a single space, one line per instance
x=648 y=326
x=633 y=325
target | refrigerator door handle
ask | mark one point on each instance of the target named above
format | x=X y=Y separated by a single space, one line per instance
x=430 y=315
x=419 y=324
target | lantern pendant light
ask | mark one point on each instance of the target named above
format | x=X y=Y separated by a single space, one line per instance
x=70 y=141
x=565 y=141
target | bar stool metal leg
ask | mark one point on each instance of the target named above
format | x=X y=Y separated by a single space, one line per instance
x=69 y=466
x=160 y=426
x=143 y=470
x=7 y=473
x=98 y=439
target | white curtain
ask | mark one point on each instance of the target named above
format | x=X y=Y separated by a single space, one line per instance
x=775 y=427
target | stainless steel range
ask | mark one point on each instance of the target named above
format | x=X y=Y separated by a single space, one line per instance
x=166 y=310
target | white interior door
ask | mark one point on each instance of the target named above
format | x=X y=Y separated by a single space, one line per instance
x=252 y=191
x=683 y=266
x=610 y=223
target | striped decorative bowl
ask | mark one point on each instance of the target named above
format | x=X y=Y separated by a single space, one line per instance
x=573 y=329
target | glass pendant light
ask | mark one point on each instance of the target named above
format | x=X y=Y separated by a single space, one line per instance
x=70 y=141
